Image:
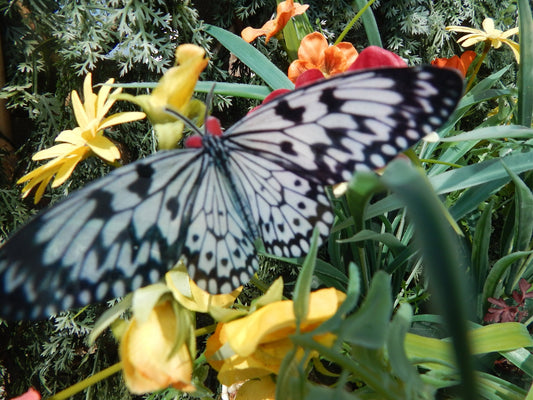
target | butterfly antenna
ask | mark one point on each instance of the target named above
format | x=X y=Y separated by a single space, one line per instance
x=185 y=120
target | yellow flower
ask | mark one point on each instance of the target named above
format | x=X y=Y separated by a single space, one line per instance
x=149 y=355
x=190 y=296
x=489 y=35
x=81 y=142
x=285 y=11
x=174 y=90
x=260 y=341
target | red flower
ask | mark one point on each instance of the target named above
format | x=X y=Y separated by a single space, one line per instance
x=31 y=394
x=462 y=64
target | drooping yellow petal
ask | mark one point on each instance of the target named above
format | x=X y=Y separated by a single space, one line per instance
x=104 y=148
x=67 y=166
x=59 y=150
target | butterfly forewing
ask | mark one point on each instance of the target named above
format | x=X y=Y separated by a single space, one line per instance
x=349 y=122
x=117 y=234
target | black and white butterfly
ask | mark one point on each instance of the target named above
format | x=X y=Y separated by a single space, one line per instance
x=263 y=179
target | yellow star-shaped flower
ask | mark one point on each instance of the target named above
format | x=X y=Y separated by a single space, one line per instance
x=489 y=34
x=81 y=142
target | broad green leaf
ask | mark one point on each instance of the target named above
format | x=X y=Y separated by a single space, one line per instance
x=368 y=326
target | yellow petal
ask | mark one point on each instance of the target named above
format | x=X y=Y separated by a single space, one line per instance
x=104 y=148
x=89 y=98
x=463 y=29
x=488 y=25
x=148 y=355
x=120 y=118
x=257 y=389
x=508 y=33
x=515 y=47
x=198 y=300
x=101 y=100
x=469 y=40
x=177 y=84
x=40 y=190
x=67 y=167
x=276 y=320
x=59 y=150
x=79 y=111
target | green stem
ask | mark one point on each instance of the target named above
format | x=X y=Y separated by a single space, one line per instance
x=486 y=49
x=84 y=384
x=353 y=21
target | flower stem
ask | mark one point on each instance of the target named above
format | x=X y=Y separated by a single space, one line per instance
x=84 y=384
x=486 y=49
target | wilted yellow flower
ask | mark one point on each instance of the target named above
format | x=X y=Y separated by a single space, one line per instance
x=190 y=296
x=81 y=142
x=490 y=34
x=174 y=90
x=261 y=340
x=149 y=355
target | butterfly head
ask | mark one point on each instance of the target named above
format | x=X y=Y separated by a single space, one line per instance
x=212 y=127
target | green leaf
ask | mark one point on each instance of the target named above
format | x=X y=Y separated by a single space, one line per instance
x=369 y=22
x=480 y=250
x=303 y=283
x=492 y=132
x=523 y=212
x=250 y=56
x=496 y=274
x=441 y=261
x=525 y=74
x=400 y=364
x=368 y=326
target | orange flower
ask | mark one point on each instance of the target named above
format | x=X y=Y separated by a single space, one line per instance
x=462 y=64
x=315 y=53
x=286 y=10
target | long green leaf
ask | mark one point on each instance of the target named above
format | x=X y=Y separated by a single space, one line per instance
x=252 y=57
x=441 y=261
x=525 y=76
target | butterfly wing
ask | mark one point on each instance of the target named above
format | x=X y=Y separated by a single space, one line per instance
x=115 y=235
x=287 y=149
x=355 y=121
x=219 y=249
x=286 y=206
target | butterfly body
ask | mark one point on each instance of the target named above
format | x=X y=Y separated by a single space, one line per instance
x=262 y=179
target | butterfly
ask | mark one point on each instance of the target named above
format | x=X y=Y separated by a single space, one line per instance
x=263 y=178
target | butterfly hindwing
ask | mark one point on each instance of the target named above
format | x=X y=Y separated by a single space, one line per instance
x=285 y=206
x=219 y=249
